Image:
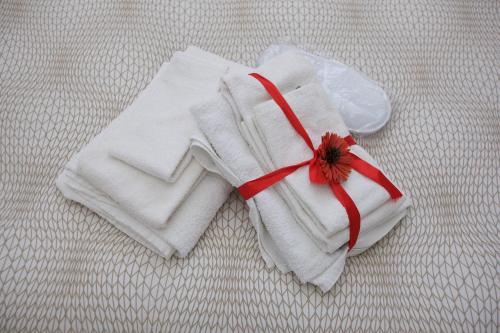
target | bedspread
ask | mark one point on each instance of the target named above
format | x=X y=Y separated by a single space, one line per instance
x=68 y=68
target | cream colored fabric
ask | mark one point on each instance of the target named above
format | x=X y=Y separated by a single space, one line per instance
x=66 y=70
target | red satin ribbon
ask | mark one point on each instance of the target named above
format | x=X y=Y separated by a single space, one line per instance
x=252 y=187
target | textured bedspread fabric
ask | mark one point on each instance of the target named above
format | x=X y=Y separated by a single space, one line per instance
x=68 y=68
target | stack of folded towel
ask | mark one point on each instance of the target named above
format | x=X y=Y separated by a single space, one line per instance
x=301 y=226
x=139 y=173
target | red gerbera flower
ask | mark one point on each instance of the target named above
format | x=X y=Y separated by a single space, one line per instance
x=333 y=157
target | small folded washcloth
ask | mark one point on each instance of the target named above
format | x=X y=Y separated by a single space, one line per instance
x=157 y=141
x=138 y=172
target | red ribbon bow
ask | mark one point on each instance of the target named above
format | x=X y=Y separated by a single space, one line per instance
x=316 y=174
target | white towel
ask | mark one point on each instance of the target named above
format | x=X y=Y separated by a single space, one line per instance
x=140 y=194
x=323 y=215
x=166 y=209
x=158 y=141
x=238 y=152
x=283 y=240
x=184 y=227
x=325 y=221
x=236 y=86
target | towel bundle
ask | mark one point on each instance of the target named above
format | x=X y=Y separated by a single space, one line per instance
x=139 y=174
x=301 y=226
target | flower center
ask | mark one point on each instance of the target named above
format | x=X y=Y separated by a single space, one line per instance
x=332 y=155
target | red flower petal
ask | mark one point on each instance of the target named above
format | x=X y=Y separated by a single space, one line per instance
x=334 y=158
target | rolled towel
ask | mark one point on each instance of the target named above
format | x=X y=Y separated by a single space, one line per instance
x=165 y=209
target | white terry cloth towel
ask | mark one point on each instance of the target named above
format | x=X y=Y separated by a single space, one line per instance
x=325 y=217
x=323 y=220
x=184 y=228
x=164 y=209
x=158 y=141
x=283 y=237
x=288 y=71
x=285 y=243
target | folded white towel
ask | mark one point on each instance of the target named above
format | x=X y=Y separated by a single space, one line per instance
x=236 y=85
x=184 y=227
x=324 y=216
x=167 y=209
x=283 y=240
x=158 y=142
x=322 y=219
x=140 y=194
x=239 y=151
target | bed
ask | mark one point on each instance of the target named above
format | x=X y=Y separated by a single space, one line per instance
x=67 y=69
